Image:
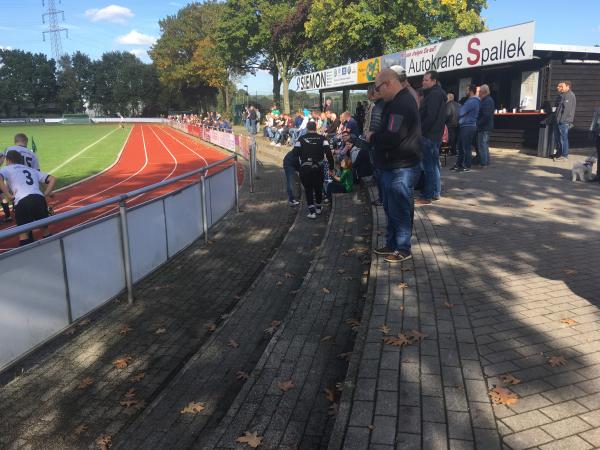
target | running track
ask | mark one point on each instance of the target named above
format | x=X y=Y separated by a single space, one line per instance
x=152 y=153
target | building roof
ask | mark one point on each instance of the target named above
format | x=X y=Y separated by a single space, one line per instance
x=566 y=48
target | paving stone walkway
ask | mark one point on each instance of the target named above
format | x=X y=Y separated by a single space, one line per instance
x=70 y=392
x=504 y=278
x=310 y=349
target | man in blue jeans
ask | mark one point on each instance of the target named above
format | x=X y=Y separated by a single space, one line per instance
x=398 y=156
x=485 y=124
x=565 y=115
x=433 y=118
x=467 y=121
x=291 y=165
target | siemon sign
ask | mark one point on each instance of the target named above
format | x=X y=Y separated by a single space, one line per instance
x=500 y=46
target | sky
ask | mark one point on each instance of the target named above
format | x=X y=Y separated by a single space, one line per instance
x=96 y=26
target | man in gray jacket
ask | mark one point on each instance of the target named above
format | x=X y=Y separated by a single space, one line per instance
x=566 y=104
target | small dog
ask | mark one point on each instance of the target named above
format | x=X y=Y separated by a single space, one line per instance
x=583 y=170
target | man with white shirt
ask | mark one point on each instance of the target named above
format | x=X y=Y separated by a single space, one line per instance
x=21 y=184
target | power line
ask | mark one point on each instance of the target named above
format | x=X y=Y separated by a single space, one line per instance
x=54 y=29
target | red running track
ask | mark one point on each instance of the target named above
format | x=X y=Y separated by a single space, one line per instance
x=152 y=153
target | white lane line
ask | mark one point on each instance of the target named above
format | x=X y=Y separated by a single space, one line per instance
x=60 y=166
x=114 y=185
x=190 y=149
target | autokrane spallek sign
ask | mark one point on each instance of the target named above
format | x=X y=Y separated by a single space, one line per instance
x=483 y=49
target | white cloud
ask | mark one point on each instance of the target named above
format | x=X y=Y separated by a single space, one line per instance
x=134 y=37
x=111 y=13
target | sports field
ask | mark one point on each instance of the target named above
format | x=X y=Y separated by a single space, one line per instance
x=71 y=152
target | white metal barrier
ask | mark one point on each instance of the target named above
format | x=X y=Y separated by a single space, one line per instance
x=52 y=282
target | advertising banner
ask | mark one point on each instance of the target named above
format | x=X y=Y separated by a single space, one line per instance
x=368 y=70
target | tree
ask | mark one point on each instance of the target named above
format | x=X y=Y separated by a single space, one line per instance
x=69 y=97
x=368 y=28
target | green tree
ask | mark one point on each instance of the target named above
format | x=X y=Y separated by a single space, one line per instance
x=367 y=28
x=69 y=97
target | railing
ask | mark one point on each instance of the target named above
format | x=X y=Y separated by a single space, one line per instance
x=54 y=281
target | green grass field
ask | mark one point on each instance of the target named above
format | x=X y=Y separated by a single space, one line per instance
x=56 y=144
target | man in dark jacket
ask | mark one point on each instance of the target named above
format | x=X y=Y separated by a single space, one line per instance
x=485 y=124
x=433 y=118
x=291 y=165
x=452 y=108
x=311 y=149
x=566 y=103
x=397 y=156
x=373 y=123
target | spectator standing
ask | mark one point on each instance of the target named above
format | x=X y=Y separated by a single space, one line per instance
x=253 y=117
x=373 y=124
x=595 y=134
x=467 y=122
x=397 y=155
x=485 y=125
x=452 y=108
x=291 y=165
x=311 y=149
x=566 y=103
x=433 y=116
x=328 y=106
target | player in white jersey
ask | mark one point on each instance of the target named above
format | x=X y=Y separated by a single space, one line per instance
x=21 y=184
x=30 y=159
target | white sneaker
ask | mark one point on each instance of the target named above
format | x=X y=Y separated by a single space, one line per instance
x=311 y=215
x=319 y=210
x=294 y=202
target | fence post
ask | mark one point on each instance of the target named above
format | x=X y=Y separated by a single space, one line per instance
x=126 y=251
x=254 y=158
x=66 y=279
x=250 y=162
x=204 y=208
x=235 y=183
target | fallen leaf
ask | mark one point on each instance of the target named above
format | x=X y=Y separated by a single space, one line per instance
x=371 y=427
x=85 y=383
x=121 y=363
x=405 y=269
x=416 y=336
x=84 y=322
x=507 y=378
x=347 y=278
x=403 y=285
x=233 y=344
x=569 y=271
x=104 y=441
x=132 y=404
x=330 y=395
x=138 y=377
x=289 y=275
x=211 y=327
x=193 y=408
x=161 y=331
x=242 y=375
x=333 y=409
x=384 y=329
x=125 y=329
x=286 y=385
x=397 y=341
x=210 y=242
x=80 y=429
x=130 y=393
x=237 y=297
x=568 y=321
x=327 y=291
x=274 y=325
x=279 y=283
x=346 y=356
x=71 y=331
x=502 y=396
x=448 y=305
x=359 y=250
x=352 y=323
x=341 y=271
x=556 y=361
x=253 y=440
x=327 y=339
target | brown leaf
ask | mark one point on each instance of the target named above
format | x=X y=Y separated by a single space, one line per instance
x=274 y=325
x=568 y=322
x=401 y=341
x=330 y=395
x=289 y=275
x=121 y=363
x=327 y=291
x=193 y=408
x=371 y=427
x=279 y=283
x=346 y=356
x=161 y=331
x=125 y=329
x=556 y=361
x=252 y=440
x=416 y=336
x=448 y=305
x=507 y=378
x=211 y=327
x=130 y=393
x=359 y=250
x=237 y=297
x=333 y=409
x=211 y=242
x=242 y=375
x=104 y=441
x=405 y=269
x=286 y=385
x=352 y=323
x=384 y=329
x=138 y=377
x=80 y=429
x=502 y=396
x=132 y=404
x=327 y=339
x=403 y=285
x=84 y=322
x=233 y=344
x=85 y=383
x=341 y=271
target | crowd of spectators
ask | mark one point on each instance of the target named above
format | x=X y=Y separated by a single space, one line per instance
x=210 y=119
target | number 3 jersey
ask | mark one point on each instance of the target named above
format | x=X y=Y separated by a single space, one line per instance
x=23 y=180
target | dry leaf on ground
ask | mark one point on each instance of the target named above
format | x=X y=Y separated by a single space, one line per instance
x=502 y=396
x=371 y=427
x=556 y=361
x=286 y=385
x=71 y=331
x=327 y=339
x=347 y=278
x=193 y=408
x=448 y=305
x=384 y=329
x=130 y=393
x=416 y=336
x=507 y=378
x=403 y=285
x=330 y=395
x=352 y=323
x=341 y=271
x=211 y=327
x=279 y=283
x=85 y=383
x=253 y=440
x=567 y=271
x=138 y=377
x=104 y=441
x=161 y=331
x=274 y=325
x=121 y=363
x=289 y=275
x=80 y=429
x=242 y=375
x=233 y=344
x=568 y=322
x=397 y=341
x=84 y=322
x=333 y=409
x=346 y=356
x=125 y=329
x=327 y=291
x=132 y=404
